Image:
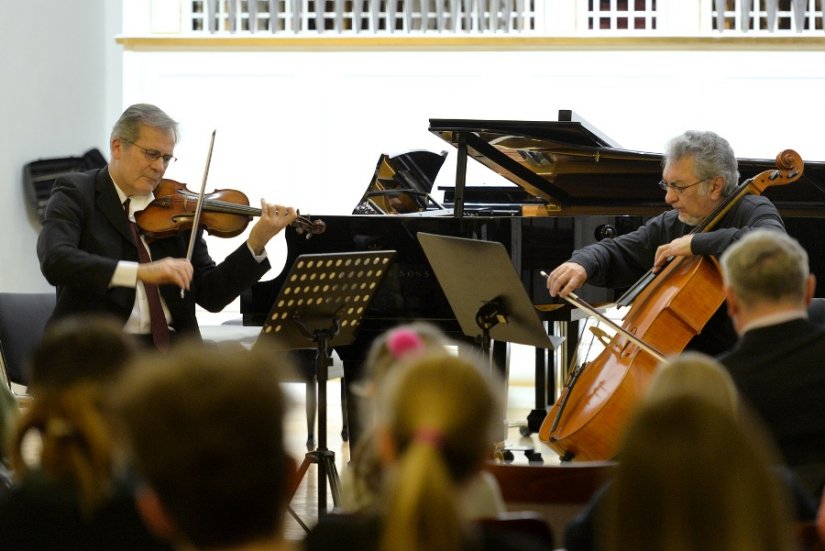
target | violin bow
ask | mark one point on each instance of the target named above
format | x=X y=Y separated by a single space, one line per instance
x=199 y=206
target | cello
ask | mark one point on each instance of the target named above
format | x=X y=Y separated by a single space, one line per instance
x=670 y=308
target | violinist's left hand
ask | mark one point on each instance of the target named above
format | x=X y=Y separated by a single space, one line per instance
x=273 y=219
x=678 y=247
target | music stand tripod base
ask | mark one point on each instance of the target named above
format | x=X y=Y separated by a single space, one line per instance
x=321 y=305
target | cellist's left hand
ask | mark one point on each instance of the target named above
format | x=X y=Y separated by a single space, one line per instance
x=273 y=219
x=678 y=247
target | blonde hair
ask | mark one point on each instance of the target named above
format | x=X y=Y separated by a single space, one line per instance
x=77 y=446
x=691 y=476
x=694 y=373
x=440 y=412
x=71 y=371
x=362 y=481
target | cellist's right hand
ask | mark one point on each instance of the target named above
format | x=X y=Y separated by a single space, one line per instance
x=166 y=271
x=566 y=278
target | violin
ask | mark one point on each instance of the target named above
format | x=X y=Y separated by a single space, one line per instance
x=225 y=213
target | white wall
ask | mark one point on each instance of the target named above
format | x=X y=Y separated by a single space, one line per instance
x=60 y=95
x=300 y=123
x=306 y=128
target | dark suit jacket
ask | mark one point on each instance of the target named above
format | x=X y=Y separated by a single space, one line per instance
x=86 y=233
x=41 y=513
x=780 y=371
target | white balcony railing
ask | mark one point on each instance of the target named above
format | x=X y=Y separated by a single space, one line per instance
x=800 y=16
x=487 y=17
x=364 y=16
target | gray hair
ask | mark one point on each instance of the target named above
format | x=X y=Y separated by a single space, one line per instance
x=712 y=156
x=128 y=125
x=766 y=265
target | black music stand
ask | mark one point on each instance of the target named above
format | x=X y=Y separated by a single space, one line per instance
x=484 y=291
x=320 y=306
x=486 y=295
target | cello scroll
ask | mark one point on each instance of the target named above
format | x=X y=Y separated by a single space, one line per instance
x=789 y=168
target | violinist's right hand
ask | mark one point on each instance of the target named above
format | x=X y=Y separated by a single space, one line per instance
x=566 y=278
x=167 y=271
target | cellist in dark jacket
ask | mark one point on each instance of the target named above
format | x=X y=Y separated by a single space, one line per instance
x=699 y=172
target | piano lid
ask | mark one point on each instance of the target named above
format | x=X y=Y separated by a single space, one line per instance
x=402 y=184
x=576 y=169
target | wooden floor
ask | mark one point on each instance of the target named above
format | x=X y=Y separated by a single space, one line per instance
x=305 y=503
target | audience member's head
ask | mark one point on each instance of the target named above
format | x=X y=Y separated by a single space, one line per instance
x=79 y=350
x=399 y=344
x=205 y=427
x=71 y=370
x=362 y=480
x=765 y=272
x=437 y=416
x=692 y=476
x=694 y=374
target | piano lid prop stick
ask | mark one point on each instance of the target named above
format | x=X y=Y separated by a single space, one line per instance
x=573 y=299
x=199 y=207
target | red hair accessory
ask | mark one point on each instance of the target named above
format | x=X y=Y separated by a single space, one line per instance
x=403 y=342
x=429 y=435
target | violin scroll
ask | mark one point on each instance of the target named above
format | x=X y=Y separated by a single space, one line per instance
x=304 y=226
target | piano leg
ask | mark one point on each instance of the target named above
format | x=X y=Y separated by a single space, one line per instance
x=536 y=417
x=305 y=364
x=353 y=356
x=551 y=362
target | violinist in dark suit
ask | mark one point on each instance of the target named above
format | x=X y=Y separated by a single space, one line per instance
x=88 y=250
x=778 y=364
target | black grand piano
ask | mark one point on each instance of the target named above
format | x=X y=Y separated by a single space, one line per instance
x=572 y=185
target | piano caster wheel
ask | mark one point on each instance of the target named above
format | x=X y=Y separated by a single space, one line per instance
x=525 y=431
x=345 y=434
x=310 y=443
x=533 y=457
x=506 y=456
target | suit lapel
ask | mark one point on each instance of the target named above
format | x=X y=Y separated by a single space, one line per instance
x=109 y=204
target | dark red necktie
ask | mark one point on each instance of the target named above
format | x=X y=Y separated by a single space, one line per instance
x=160 y=330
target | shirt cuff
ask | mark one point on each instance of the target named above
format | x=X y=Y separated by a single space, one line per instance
x=258 y=257
x=125 y=274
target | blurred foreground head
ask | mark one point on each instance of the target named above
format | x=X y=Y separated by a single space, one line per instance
x=692 y=475
x=206 y=432
x=438 y=417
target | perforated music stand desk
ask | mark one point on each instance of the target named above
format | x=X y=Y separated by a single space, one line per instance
x=483 y=289
x=321 y=305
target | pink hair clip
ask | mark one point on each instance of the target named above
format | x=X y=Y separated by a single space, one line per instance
x=429 y=435
x=403 y=342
